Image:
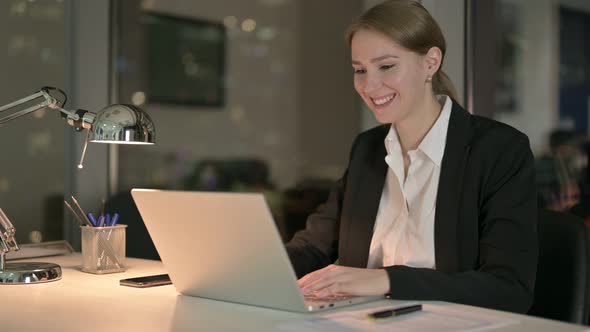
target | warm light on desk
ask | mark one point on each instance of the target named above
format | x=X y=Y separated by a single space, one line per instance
x=115 y=124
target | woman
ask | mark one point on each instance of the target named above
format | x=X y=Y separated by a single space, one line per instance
x=436 y=204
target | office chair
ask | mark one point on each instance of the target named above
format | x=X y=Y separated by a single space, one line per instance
x=563 y=277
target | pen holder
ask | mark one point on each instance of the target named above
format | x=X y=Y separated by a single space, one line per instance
x=103 y=249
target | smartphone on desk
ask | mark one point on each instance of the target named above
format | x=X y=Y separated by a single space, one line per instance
x=147 y=281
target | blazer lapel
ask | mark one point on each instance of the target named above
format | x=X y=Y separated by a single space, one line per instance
x=450 y=190
x=358 y=240
x=367 y=202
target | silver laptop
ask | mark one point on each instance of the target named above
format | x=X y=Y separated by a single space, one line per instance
x=225 y=246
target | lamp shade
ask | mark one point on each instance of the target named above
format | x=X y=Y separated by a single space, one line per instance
x=123 y=124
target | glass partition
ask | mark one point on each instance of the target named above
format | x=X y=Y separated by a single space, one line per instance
x=246 y=95
x=32 y=36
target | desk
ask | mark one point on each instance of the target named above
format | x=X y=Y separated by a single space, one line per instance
x=87 y=302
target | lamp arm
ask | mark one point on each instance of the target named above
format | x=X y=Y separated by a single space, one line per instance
x=7 y=240
x=48 y=101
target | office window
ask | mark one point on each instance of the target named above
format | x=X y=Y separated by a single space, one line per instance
x=539 y=82
x=32 y=36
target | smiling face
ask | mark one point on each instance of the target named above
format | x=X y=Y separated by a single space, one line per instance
x=390 y=78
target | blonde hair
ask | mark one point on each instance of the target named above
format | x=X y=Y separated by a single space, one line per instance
x=410 y=25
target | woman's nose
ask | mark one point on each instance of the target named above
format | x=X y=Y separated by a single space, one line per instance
x=372 y=83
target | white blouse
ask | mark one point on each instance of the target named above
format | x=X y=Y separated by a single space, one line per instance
x=404 y=227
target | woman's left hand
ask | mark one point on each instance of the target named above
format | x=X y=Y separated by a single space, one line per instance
x=336 y=279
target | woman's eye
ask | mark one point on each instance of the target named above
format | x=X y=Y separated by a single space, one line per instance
x=386 y=67
x=359 y=71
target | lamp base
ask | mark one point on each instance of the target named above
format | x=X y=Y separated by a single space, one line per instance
x=29 y=273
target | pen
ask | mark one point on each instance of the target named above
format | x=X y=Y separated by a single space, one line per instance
x=115 y=219
x=81 y=210
x=92 y=219
x=74 y=213
x=395 y=311
x=100 y=221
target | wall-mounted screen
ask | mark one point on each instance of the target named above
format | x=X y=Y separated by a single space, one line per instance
x=185 y=60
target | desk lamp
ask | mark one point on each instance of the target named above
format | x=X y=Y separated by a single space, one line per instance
x=115 y=124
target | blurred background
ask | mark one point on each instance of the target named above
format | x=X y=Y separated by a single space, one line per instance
x=257 y=96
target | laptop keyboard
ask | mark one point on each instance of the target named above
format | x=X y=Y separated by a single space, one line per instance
x=314 y=299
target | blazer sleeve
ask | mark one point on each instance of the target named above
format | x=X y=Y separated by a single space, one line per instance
x=316 y=246
x=508 y=243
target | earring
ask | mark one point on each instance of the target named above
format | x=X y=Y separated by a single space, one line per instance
x=429 y=79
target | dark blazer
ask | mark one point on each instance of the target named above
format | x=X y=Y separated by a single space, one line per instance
x=485 y=221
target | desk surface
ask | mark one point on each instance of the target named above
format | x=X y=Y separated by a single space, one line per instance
x=87 y=302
